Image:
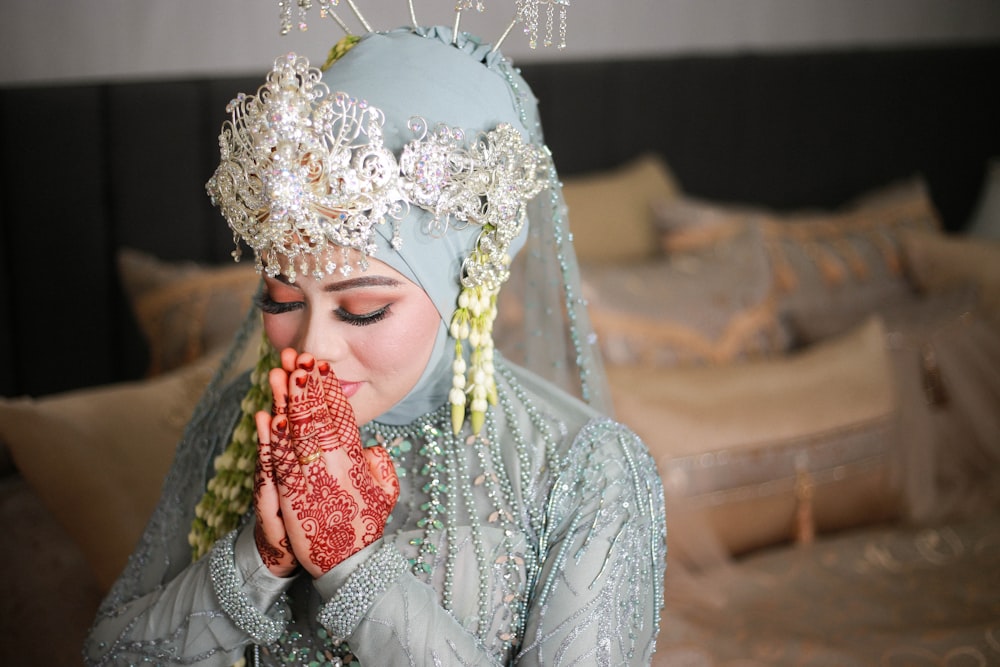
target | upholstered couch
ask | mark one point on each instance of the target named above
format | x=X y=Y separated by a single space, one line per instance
x=821 y=392
x=790 y=311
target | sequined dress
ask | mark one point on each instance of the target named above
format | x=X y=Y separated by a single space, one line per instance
x=542 y=541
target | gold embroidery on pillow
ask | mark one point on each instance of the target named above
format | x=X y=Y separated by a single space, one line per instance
x=644 y=340
x=833 y=243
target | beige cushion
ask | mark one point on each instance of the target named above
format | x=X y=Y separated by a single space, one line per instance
x=832 y=269
x=97 y=457
x=184 y=309
x=732 y=442
x=688 y=224
x=938 y=263
x=709 y=307
x=837 y=268
x=610 y=213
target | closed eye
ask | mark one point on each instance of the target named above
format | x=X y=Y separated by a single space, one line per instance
x=363 y=319
x=272 y=307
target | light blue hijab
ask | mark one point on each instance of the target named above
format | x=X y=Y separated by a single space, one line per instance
x=408 y=73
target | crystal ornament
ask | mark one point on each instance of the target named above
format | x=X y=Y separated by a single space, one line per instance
x=528 y=15
x=526 y=12
x=302 y=167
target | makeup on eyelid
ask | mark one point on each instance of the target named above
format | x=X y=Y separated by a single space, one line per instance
x=376 y=330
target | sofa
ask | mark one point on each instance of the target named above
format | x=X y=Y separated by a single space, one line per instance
x=792 y=268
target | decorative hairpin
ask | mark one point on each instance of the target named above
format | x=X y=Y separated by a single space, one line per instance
x=293 y=13
x=302 y=167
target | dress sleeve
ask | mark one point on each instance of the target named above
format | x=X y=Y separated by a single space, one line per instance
x=598 y=596
x=205 y=616
x=389 y=618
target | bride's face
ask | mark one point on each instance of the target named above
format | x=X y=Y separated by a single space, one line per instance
x=375 y=327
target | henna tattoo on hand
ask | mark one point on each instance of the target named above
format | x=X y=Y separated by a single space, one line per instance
x=327 y=514
x=272 y=556
x=379 y=502
x=341 y=501
x=276 y=557
x=287 y=471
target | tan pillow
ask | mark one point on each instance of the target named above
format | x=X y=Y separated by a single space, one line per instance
x=184 y=309
x=938 y=263
x=97 y=457
x=832 y=269
x=610 y=213
x=732 y=442
x=835 y=269
x=689 y=224
x=709 y=307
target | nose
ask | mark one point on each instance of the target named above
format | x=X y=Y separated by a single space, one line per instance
x=321 y=337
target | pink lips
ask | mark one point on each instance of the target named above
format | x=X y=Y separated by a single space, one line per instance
x=349 y=388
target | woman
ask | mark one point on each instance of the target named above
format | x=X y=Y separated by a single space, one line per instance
x=480 y=514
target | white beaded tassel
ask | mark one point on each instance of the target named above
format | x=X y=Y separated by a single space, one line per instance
x=325 y=10
x=526 y=12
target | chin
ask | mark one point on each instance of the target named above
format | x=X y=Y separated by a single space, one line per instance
x=362 y=410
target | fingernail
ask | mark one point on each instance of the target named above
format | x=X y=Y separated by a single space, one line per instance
x=301 y=380
x=307 y=365
x=324 y=368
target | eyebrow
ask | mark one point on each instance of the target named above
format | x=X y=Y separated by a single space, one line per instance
x=361 y=281
x=352 y=283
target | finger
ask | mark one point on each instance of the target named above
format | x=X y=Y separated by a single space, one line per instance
x=328 y=377
x=278 y=379
x=340 y=410
x=383 y=471
x=264 y=471
x=269 y=532
x=265 y=496
x=305 y=361
x=305 y=411
x=262 y=420
x=285 y=465
x=288 y=356
x=314 y=430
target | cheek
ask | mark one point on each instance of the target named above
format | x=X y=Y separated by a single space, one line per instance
x=405 y=348
x=281 y=330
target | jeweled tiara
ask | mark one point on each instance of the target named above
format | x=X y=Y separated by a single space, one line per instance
x=301 y=167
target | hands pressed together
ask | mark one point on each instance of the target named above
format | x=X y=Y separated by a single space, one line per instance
x=319 y=496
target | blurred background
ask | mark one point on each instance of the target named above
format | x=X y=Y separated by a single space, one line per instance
x=51 y=40
x=787 y=215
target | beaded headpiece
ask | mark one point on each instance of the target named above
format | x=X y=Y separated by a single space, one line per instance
x=303 y=167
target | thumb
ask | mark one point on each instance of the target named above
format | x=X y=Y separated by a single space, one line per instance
x=383 y=470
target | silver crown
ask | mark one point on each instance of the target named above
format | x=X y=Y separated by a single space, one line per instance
x=301 y=167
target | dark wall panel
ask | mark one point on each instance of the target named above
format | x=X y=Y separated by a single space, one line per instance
x=87 y=170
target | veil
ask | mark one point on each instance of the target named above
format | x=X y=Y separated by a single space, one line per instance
x=542 y=324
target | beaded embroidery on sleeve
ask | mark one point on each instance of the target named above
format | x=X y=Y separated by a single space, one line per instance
x=262 y=628
x=343 y=613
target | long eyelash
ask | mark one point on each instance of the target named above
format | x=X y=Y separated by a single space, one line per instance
x=272 y=307
x=365 y=319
